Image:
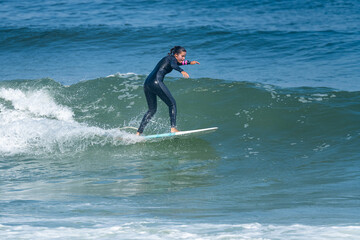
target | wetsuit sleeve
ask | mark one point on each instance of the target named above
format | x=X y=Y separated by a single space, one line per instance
x=185 y=62
x=175 y=66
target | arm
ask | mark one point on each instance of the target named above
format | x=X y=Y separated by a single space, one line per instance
x=188 y=62
x=185 y=62
x=175 y=65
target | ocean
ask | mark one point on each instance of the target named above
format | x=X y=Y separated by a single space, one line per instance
x=281 y=80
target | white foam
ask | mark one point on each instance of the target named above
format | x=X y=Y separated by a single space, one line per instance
x=153 y=230
x=318 y=97
x=129 y=75
x=38 y=103
x=303 y=100
x=32 y=122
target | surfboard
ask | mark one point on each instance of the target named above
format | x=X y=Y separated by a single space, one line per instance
x=189 y=133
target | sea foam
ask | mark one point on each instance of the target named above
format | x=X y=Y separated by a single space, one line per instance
x=153 y=230
x=32 y=120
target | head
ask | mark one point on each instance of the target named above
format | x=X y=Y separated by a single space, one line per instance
x=179 y=53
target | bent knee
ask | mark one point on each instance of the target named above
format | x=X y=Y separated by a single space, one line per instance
x=152 y=111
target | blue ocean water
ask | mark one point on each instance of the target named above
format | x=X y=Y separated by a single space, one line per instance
x=281 y=80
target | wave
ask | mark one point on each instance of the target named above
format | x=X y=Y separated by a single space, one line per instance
x=31 y=120
x=45 y=115
x=155 y=230
x=281 y=55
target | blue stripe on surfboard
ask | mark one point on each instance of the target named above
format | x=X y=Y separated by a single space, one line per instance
x=160 y=135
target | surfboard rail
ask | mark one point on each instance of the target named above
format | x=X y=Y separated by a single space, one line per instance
x=181 y=133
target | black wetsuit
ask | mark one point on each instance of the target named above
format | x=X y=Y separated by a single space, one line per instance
x=154 y=86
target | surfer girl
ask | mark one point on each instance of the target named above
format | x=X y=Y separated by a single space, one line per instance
x=154 y=85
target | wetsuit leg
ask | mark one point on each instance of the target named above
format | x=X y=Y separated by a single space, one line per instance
x=152 y=105
x=165 y=95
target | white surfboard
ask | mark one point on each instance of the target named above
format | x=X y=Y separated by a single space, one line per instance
x=189 y=133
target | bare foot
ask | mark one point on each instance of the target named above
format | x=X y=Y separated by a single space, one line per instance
x=174 y=130
x=137 y=134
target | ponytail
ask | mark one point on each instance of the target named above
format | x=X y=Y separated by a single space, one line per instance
x=176 y=50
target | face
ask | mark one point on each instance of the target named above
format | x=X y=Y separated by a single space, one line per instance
x=180 y=56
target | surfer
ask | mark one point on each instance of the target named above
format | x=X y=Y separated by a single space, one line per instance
x=154 y=85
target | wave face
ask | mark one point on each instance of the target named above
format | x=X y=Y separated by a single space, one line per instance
x=301 y=119
x=276 y=147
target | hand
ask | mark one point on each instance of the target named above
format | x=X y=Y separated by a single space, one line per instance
x=194 y=62
x=185 y=75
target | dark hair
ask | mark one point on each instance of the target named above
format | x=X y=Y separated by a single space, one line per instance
x=177 y=50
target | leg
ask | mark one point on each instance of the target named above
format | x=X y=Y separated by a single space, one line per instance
x=152 y=105
x=166 y=96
